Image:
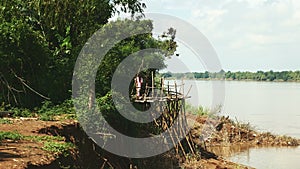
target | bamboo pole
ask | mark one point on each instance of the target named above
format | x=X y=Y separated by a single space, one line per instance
x=176 y=91
x=168 y=88
x=152 y=74
x=180 y=145
x=182 y=88
x=162 y=88
x=174 y=144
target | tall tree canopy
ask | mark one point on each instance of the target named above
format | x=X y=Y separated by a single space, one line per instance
x=40 y=41
x=143 y=63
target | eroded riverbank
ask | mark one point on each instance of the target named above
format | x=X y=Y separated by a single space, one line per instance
x=22 y=154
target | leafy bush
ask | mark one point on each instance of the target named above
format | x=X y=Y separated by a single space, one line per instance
x=3 y=106
x=48 y=110
x=65 y=108
x=21 y=112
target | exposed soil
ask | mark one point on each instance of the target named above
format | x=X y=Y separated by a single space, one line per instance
x=26 y=154
x=223 y=132
x=213 y=164
x=227 y=132
x=20 y=154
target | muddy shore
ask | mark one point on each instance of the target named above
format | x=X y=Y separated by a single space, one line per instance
x=27 y=154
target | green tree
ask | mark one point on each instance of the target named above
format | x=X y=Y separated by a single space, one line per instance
x=206 y=75
x=271 y=75
x=167 y=75
x=108 y=68
x=40 y=41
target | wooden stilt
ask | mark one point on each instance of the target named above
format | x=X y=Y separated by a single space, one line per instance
x=171 y=103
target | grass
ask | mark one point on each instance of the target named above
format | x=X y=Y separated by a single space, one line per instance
x=201 y=111
x=44 y=138
x=47 y=112
x=5 y=121
x=68 y=117
x=10 y=135
x=58 y=147
x=46 y=117
x=53 y=144
x=17 y=136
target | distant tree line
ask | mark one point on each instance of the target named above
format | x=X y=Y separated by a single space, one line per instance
x=284 y=76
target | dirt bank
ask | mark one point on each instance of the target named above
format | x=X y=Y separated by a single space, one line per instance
x=226 y=132
x=223 y=132
x=30 y=154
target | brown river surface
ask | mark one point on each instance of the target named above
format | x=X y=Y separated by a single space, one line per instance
x=267 y=106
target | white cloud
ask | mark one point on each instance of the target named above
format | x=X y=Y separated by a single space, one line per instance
x=207 y=19
x=261 y=39
x=246 y=26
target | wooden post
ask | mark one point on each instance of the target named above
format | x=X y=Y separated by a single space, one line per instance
x=152 y=84
x=162 y=88
x=176 y=102
x=182 y=89
x=176 y=90
x=168 y=88
x=174 y=144
x=180 y=145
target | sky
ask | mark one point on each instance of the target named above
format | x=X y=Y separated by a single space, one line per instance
x=248 y=35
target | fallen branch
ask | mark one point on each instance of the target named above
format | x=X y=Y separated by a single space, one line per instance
x=26 y=85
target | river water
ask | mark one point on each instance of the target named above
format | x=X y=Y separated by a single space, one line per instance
x=268 y=106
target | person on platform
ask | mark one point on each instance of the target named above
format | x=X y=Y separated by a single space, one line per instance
x=139 y=81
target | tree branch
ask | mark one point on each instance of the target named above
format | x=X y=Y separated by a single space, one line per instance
x=26 y=85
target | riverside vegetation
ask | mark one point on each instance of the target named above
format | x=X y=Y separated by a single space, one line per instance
x=276 y=76
x=62 y=144
x=39 y=44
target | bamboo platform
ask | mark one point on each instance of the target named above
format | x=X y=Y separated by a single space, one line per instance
x=170 y=100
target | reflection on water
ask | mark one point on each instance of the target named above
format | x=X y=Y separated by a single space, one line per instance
x=269 y=158
x=261 y=157
x=228 y=151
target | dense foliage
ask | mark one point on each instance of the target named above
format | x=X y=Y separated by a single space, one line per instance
x=141 y=63
x=40 y=41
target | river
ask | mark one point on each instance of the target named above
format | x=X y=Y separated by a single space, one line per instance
x=268 y=106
